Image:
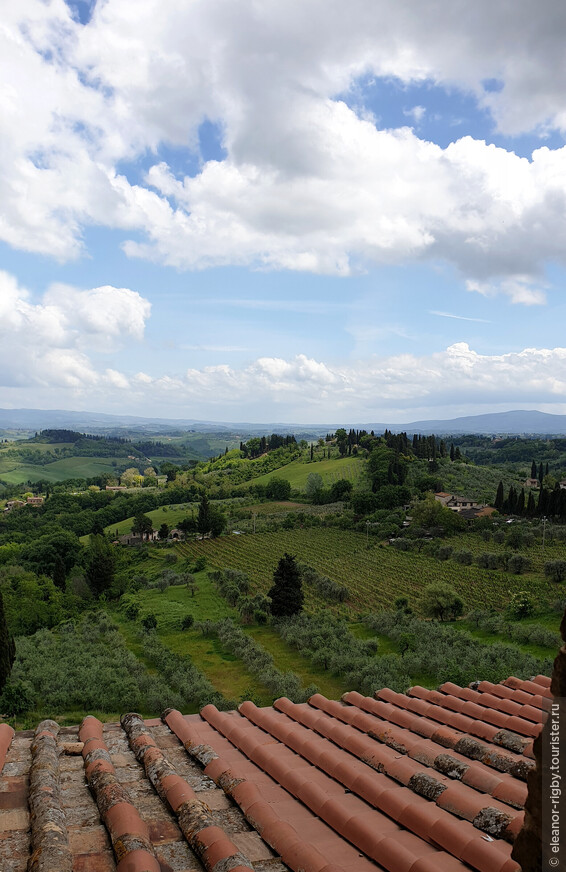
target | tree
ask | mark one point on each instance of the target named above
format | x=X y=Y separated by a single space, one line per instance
x=499 y=497
x=313 y=485
x=203 y=518
x=149 y=622
x=555 y=570
x=143 y=526
x=163 y=531
x=130 y=476
x=341 y=490
x=7 y=648
x=278 y=489
x=100 y=565
x=441 y=601
x=286 y=594
x=521 y=605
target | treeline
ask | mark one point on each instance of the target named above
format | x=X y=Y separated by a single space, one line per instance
x=550 y=503
x=486 y=451
x=263 y=444
x=87 y=512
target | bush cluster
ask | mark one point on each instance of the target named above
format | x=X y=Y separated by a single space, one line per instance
x=86 y=666
x=523 y=633
x=261 y=664
x=447 y=654
x=332 y=591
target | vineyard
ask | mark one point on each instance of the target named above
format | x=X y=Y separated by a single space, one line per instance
x=374 y=576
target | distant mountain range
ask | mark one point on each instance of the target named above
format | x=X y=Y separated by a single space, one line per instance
x=497 y=423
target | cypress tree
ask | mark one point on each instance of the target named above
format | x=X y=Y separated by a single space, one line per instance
x=203 y=519
x=7 y=648
x=540 y=474
x=499 y=497
x=520 y=507
x=100 y=565
x=531 y=507
x=452 y=452
x=286 y=594
x=533 y=470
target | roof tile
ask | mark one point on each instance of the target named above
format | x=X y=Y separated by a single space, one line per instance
x=424 y=781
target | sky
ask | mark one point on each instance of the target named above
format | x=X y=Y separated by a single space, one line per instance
x=299 y=211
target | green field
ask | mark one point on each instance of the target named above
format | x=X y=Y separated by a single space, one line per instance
x=375 y=576
x=298 y=471
x=170 y=515
x=42 y=447
x=59 y=470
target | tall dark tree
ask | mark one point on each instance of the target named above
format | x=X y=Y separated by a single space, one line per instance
x=540 y=473
x=499 y=497
x=533 y=470
x=7 y=648
x=143 y=525
x=531 y=505
x=203 y=518
x=100 y=565
x=286 y=594
x=520 y=507
x=452 y=452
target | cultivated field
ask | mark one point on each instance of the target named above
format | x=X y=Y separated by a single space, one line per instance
x=375 y=576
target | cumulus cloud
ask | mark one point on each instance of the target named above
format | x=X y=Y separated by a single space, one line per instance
x=45 y=343
x=374 y=388
x=307 y=183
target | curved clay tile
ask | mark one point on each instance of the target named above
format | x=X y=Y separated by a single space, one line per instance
x=463 y=744
x=490 y=700
x=6 y=736
x=531 y=687
x=423 y=781
x=285 y=840
x=128 y=833
x=50 y=844
x=379 y=792
x=209 y=842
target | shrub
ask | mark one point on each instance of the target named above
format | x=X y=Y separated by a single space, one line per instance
x=555 y=570
x=521 y=605
x=187 y=622
x=441 y=601
x=149 y=622
x=517 y=564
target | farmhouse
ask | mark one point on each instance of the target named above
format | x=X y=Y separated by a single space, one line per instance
x=34 y=501
x=532 y=483
x=13 y=504
x=456 y=503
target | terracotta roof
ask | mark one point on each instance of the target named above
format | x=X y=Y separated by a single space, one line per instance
x=416 y=782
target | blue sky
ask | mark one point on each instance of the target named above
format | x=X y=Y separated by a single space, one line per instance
x=290 y=214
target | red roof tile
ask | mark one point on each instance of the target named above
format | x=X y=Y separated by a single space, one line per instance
x=425 y=781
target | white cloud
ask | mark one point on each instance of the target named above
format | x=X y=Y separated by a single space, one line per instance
x=308 y=390
x=308 y=184
x=44 y=343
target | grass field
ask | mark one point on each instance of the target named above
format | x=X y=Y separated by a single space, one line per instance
x=375 y=576
x=222 y=668
x=59 y=470
x=42 y=447
x=170 y=515
x=332 y=470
